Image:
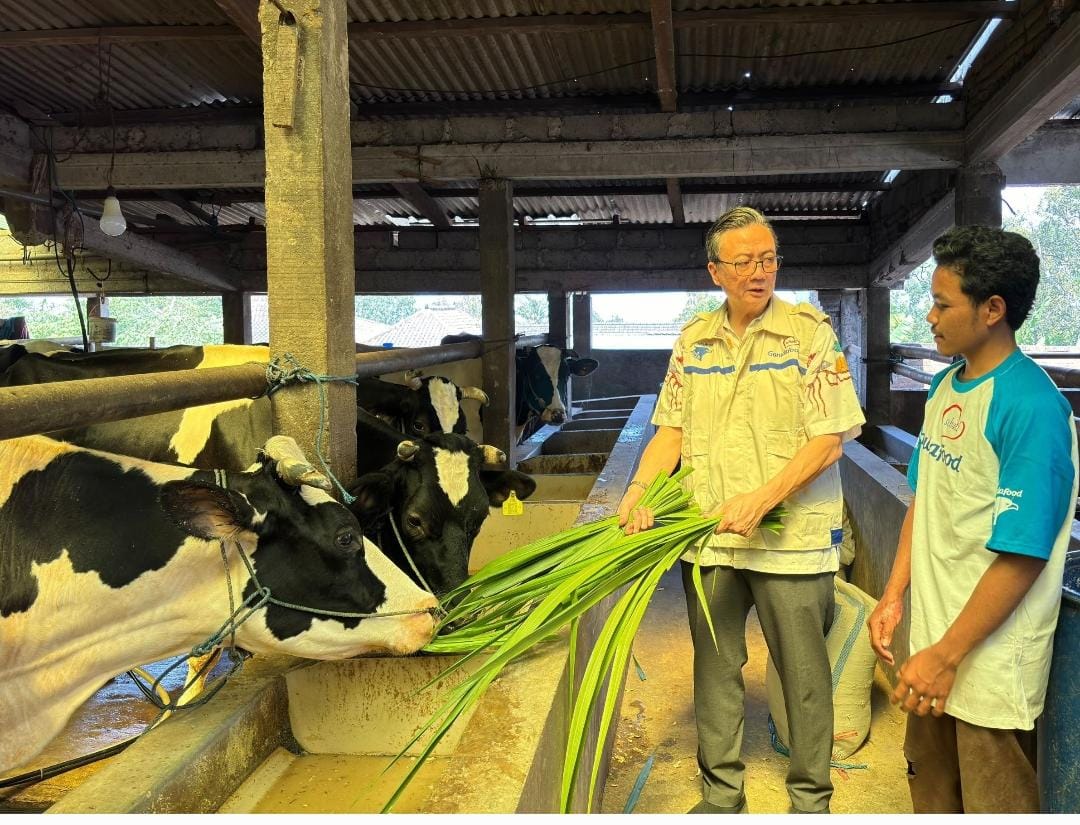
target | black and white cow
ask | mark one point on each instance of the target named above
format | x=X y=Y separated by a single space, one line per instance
x=419 y=407
x=542 y=374
x=107 y=562
x=434 y=491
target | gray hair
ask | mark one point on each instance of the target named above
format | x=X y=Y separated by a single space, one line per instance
x=737 y=218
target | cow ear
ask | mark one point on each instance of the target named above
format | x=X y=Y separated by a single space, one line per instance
x=499 y=483
x=372 y=492
x=205 y=510
x=582 y=366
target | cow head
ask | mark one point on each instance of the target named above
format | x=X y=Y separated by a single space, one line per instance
x=542 y=376
x=309 y=550
x=436 y=493
x=423 y=406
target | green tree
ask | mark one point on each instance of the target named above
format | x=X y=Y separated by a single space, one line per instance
x=387 y=309
x=700 y=302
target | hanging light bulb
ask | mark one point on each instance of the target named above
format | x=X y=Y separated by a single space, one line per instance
x=112 y=219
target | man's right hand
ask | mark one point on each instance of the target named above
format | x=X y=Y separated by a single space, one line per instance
x=634 y=519
x=882 y=623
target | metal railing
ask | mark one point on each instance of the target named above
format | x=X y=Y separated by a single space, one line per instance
x=1064 y=377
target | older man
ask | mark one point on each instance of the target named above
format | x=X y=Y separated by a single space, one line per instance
x=758 y=401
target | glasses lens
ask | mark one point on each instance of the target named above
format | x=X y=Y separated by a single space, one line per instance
x=770 y=263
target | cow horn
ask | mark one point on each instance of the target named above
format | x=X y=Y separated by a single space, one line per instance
x=475 y=394
x=291 y=465
x=407 y=449
x=492 y=455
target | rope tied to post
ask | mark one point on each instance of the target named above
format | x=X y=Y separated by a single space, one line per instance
x=286 y=369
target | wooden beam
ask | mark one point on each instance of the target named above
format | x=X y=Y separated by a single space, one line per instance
x=1048 y=157
x=115 y=34
x=913 y=248
x=567 y=160
x=15 y=154
x=420 y=200
x=664 y=48
x=177 y=199
x=675 y=202
x=157 y=257
x=1044 y=85
x=245 y=16
x=309 y=239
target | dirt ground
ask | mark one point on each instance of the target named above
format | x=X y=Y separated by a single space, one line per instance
x=657 y=717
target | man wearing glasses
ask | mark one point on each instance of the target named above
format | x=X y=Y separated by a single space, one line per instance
x=758 y=400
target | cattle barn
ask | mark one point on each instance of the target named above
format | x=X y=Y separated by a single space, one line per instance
x=316 y=150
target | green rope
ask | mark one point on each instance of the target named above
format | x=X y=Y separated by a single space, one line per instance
x=285 y=369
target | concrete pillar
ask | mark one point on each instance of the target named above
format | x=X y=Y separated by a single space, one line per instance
x=558 y=314
x=876 y=352
x=582 y=324
x=831 y=301
x=236 y=317
x=978 y=195
x=309 y=230
x=497 y=276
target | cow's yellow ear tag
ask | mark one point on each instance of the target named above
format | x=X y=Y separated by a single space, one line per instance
x=513 y=507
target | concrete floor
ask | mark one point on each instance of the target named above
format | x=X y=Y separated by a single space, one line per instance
x=657 y=716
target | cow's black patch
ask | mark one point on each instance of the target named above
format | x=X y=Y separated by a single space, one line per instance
x=106 y=518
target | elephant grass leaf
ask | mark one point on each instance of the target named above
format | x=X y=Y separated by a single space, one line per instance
x=534 y=592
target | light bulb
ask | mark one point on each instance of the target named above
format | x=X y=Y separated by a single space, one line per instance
x=112 y=219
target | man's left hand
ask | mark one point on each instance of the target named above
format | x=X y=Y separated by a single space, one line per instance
x=925 y=681
x=741 y=514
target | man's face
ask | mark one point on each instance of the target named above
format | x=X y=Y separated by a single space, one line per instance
x=956 y=323
x=749 y=294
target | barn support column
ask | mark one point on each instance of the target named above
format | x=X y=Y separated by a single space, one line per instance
x=864 y=335
x=558 y=315
x=582 y=324
x=831 y=301
x=978 y=195
x=497 y=274
x=309 y=239
x=236 y=317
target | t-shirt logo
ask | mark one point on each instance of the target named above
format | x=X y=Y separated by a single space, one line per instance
x=1003 y=504
x=952 y=424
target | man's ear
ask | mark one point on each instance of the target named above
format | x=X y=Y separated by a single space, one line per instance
x=714 y=273
x=995 y=310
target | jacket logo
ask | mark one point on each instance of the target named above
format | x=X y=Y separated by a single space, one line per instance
x=700 y=351
x=952 y=423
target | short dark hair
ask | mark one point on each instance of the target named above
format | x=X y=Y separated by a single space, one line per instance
x=991 y=262
x=737 y=218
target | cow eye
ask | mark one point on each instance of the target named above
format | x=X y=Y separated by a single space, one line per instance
x=414 y=523
x=420 y=426
x=346 y=539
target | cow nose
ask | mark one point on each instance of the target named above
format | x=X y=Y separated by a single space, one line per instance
x=557 y=417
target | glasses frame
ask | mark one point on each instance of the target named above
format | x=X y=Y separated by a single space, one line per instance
x=755 y=261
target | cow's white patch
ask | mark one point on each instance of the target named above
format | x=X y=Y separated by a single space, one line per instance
x=551 y=358
x=445 y=401
x=313 y=495
x=453 y=471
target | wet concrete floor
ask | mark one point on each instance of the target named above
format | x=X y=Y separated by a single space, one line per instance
x=657 y=717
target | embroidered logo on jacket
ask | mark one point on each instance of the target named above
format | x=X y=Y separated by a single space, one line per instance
x=700 y=351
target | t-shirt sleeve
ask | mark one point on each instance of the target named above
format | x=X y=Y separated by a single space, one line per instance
x=1033 y=442
x=669 y=405
x=829 y=401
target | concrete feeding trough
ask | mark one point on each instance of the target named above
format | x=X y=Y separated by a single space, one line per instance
x=296 y=736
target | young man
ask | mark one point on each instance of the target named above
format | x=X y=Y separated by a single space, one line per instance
x=983 y=544
x=758 y=400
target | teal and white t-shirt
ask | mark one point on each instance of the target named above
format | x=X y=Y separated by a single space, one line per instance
x=995 y=471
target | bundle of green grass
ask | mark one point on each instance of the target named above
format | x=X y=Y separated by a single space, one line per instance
x=534 y=592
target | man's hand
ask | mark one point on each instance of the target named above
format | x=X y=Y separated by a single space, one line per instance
x=925 y=682
x=634 y=519
x=741 y=514
x=882 y=623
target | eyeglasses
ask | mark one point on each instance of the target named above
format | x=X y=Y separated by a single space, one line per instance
x=744 y=269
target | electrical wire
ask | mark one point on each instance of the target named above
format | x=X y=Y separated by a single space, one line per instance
x=577 y=77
